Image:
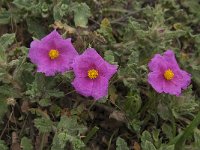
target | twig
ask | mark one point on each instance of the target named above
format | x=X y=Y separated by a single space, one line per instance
x=6 y=124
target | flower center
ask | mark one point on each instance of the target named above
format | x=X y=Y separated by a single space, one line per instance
x=93 y=74
x=169 y=75
x=53 y=53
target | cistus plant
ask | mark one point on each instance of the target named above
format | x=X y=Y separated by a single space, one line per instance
x=52 y=54
x=166 y=76
x=92 y=74
x=99 y=74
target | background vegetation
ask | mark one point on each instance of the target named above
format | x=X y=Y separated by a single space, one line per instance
x=39 y=112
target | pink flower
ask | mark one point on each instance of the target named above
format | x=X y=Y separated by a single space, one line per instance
x=166 y=76
x=52 y=54
x=92 y=74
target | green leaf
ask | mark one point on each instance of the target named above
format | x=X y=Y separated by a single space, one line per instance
x=5 y=17
x=187 y=132
x=3 y=145
x=167 y=147
x=68 y=129
x=135 y=125
x=26 y=144
x=77 y=143
x=167 y=130
x=121 y=144
x=147 y=145
x=109 y=56
x=70 y=125
x=3 y=106
x=44 y=125
x=81 y=14
x=146 y=136
x=44 y=102
x=36 y=28
x=106 y=30
x=55 y=93
x=133 y=103
x=23 y=4
x=6 y=40
x=197 y=137
x=60 y=10
x=164 y=111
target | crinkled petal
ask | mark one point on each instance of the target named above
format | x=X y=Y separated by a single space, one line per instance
x=51 y=38
x=81 y=66
x=170 y=59
x=171 y=88
x=157 y=63
x=182 y=78
x=100 y=88
x=94 y=57
x=83 y=86
x=90 y=59
x=107 y=70
x=39 y=54
x=156 y=80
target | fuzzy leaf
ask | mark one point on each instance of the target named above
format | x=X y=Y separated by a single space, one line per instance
x=3 y=106
x=44 y=125
x=197 y=137
x=6 y=40
x=5 y=17
x=3 y=145
x=121 y=144
x=81 y=14
x=26 y=144
x=148 y=146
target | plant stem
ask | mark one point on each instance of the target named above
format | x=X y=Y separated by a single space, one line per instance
x=180 y=142
x=91 y=134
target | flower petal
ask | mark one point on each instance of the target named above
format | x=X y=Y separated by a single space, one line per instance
x=156 y=80
x=182 y=78
x=107 y=70
x=39 y=54
x=170 y=59
x=171 y=88
x=83 y=86
x=100 y=88
x=157 y=63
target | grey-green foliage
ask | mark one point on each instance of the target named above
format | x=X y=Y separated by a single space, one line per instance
x=147 y=141
x=106 y=30
x=133 y=103
x=81 y=14
x=26 y=144
x=69 y=130
x=44 y=125
x=185 y=104
x=5 y=17
x=3 y=106
x=197 y=138
x=42 y=88
x=6 y=40
x=148 y=146
x=121 y=144
x=3 y=145
x=110 y=57
x=60 y=9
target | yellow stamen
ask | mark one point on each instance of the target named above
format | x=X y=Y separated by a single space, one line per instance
x=53 y=54
x=93 y=74
x=169 y=75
